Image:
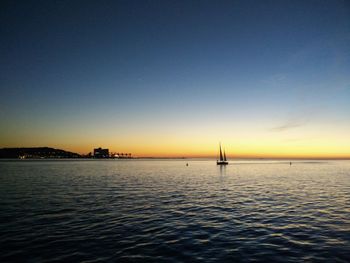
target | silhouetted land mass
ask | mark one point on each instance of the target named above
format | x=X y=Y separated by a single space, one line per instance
x=36 y=152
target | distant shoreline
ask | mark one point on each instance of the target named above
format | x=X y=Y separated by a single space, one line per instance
x=233 y=160
x=48 y=153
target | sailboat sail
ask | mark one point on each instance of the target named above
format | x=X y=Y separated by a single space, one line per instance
x=225 y=156
x=220 y=154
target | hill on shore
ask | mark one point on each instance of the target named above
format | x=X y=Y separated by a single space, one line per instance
x=36 y=152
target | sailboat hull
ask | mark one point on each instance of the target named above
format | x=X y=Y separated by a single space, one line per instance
x=221 y=162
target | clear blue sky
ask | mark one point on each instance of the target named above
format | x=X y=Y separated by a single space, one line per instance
x=77 y=74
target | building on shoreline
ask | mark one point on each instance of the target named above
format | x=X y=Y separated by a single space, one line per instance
x=101 y=153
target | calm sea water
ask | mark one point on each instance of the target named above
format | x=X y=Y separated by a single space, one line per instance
x=165 y=211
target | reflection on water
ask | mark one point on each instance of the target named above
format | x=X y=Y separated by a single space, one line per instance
x=222 y=169
x=137 y=210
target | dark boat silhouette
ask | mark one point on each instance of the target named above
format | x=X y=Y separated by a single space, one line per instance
x=223 y=160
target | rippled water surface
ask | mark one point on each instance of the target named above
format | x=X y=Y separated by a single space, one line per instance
x=165 y=211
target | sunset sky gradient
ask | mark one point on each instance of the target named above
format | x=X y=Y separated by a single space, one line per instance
x=173 y=78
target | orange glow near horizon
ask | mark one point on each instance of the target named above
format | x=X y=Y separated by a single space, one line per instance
x=233 y=149
x=244 y=141
x=192 y=151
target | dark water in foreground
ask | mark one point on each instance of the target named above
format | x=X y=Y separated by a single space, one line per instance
x=163 y=211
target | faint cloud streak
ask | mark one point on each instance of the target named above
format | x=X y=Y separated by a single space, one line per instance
x=291 y=124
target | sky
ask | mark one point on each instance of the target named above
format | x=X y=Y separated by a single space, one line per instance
x=175 y=78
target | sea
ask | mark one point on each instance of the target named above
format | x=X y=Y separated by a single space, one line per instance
x=183 y=210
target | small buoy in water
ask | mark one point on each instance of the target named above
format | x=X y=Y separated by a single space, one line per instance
x=290 y=163
x=186 y=164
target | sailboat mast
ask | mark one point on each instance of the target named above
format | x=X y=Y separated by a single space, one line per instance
x=220 y=153
x=225 y=156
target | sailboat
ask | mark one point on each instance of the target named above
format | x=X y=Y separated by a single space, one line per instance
x=223 y=160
